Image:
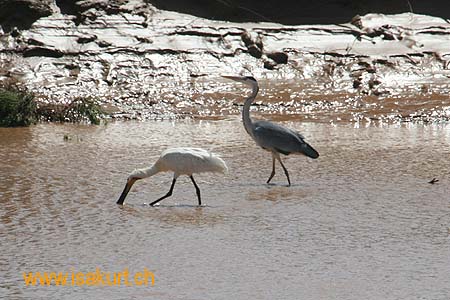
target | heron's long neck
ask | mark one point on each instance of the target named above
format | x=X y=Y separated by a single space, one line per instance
x=246 y=110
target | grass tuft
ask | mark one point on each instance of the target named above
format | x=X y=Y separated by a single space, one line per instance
x=17 y=108
x=78 y=111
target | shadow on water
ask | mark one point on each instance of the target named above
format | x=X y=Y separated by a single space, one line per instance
x=172 y=215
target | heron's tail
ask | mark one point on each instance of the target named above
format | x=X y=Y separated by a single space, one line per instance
x=308 y=150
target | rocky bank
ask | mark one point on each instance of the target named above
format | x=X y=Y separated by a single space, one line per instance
x=142 y=62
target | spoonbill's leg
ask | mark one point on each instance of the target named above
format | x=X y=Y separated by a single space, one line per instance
x=166 y=195
x=197 y=189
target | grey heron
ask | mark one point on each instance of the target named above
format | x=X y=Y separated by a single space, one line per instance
x=270 y=136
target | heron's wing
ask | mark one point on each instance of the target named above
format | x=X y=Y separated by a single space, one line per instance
x=272 y=136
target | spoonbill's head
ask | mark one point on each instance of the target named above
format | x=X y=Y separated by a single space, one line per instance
x=248 y=80
x=130 y=181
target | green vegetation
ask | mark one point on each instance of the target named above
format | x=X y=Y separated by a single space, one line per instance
x=85 y=108
x=79 y=110
x=17 y=108
x=20 y=108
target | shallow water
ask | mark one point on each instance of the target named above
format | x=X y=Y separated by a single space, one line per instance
x=310 y=100
x=361 y=222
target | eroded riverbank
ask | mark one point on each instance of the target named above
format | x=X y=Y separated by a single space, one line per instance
x=145 y=63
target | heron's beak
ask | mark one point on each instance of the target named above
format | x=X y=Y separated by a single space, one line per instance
x=235 y=78
x=127 y=188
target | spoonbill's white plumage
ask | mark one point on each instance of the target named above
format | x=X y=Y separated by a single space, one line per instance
x=181 y=161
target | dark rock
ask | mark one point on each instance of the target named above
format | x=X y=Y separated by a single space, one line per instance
x=23 y=13
x=369 y=68
x=144 y=39
x=255 y=51
x=34 y=42
x=246 y=38
x=356 y=83
x=67 y=7
x=86 y=9
x=373 y=82
x=269 y=64
x=71 y=66
x=40 y=51
x=249 y=41
x=254 y=46
x=356 y=21
x=85 y=5
x=384 y=62
x=278 y=57
x=86 y=38
x=103 y=44
x=15 y=32
x=386 y=32
x=259 y=42
x=109 y=7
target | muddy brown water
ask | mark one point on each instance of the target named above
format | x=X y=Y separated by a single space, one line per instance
x=360 y=222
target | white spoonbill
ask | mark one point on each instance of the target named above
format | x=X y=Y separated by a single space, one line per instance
x=181 y=161
x=270 y=136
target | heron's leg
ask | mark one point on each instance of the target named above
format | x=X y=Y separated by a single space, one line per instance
x=273 y=169
x=197 y=189
x=166 y=195
x=285 y=171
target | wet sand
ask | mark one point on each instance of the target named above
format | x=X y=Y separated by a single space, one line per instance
x=360 y=222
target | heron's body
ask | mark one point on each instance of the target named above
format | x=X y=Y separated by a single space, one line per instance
x=270 y=136
x=181 y=161
x=282 y=140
